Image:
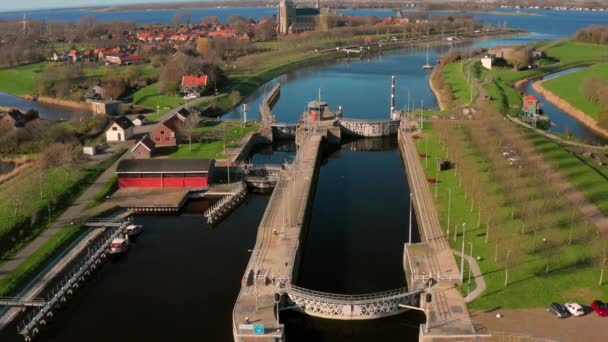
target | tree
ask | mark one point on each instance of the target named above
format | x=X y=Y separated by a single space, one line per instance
x=265 y=29
x=210 y=20
x=115 y=87
x=131 y=75
x=203 y=46
x=191 y=124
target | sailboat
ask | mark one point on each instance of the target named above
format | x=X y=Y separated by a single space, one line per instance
x=427 y=66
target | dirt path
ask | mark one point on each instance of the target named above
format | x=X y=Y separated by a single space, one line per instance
x=540 y=323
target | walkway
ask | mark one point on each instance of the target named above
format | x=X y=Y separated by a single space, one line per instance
x=476 y=275
x=73 y=214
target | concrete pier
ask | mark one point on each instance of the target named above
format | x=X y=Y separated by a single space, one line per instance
x=430 y=265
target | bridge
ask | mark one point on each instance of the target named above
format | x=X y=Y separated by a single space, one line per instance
x=369 y=128
x=349 y=307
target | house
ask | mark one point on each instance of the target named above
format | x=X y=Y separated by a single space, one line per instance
x=12 y=119
x=166 y=132
x=537 y=54
x=184 y=116
x=73 y=56
x=487 y=61
x=531 y=105
x=144 y=148
x=59 y=57
x=194 y=83
x=139 y=120
x=165 y=173
x=123 y=60
x=120 y=130
x=106 y=107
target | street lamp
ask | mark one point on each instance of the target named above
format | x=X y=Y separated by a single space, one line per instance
x=470 y=262
x=410 y=231
x=464 y=231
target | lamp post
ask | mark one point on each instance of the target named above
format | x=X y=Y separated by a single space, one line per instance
x=469 y=281
x=449 y=210
x=410 y=231
x=464 y=231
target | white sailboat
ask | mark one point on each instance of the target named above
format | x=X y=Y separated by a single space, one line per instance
x=427 y=66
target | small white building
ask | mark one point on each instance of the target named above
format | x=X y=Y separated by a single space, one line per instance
x=139 y=120
x=120 y=130
x=487 y=61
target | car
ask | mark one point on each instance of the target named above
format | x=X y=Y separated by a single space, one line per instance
x=600 y=308
x=574 y=309
x=558 y=310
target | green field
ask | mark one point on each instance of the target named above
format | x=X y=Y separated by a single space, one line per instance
x=462 y=90
x=162 y=104
x=504 y=97
x=572 y=277
x=21 y=80
x=568 y=87
x=590 y=179
x=11 y=281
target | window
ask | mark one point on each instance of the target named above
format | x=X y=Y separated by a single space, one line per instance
x=157 y=139
x=162 y=132
x=167 y=139
x=114 y=129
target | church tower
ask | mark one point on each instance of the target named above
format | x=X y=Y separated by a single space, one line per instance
x=286 y=13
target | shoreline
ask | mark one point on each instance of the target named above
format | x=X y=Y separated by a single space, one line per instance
x=439 y=96
x=569 y=109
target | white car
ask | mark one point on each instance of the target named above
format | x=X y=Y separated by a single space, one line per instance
x=574 y=309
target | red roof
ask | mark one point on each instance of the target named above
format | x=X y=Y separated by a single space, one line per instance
x=131 y=58
x=194 y=80
x=530 y=98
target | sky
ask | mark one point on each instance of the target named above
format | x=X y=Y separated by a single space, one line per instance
x=9 y=5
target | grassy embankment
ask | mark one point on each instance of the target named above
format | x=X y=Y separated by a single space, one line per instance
x=24 y=80
x=572 y=276
x=25 y=213
x=213 y=130
x=455 y=75
x=28 y=268
x=568 y=87
x=568 y=53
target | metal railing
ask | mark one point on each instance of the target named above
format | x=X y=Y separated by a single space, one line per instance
x=220 y=206
x=347 y=299
x=19 y=301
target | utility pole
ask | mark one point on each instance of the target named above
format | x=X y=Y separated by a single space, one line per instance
x=464 y=232
x=436 y=177
x=449 y=209
x=411 y=204
x=470 y=262
x=426 y=156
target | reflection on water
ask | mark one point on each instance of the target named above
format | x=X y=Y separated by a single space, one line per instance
x=47 y=112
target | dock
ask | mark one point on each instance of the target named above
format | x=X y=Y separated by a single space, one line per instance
x=149 y=201
x=430 y=265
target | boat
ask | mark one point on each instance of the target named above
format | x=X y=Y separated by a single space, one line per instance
x=134 y=229
x=427 y=66
x=119 y=246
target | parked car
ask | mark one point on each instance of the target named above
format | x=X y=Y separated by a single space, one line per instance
x=600 y=308
x=558 y=310
x=575 y=309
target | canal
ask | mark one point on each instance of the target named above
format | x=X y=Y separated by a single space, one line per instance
x=181 y=278
x=46 y=112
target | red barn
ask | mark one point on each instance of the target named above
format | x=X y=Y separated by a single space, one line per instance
x=165 y=173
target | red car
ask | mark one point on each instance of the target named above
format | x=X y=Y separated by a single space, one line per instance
x=600 y=308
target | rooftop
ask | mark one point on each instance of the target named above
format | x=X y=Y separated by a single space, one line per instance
x=164 y=165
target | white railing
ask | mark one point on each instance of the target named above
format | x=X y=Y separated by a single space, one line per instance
x=347 y=299
x=225 y=202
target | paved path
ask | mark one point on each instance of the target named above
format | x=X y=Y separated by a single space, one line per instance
x=72 y=214
x=477 y=276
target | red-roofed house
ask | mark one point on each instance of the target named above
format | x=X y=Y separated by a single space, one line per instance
x=531 y=105
x=194 y=83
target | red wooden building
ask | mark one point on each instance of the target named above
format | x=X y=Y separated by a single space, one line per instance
x=165 y=173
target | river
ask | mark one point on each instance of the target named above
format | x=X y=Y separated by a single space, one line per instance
x=46 y=112
x=561 y=122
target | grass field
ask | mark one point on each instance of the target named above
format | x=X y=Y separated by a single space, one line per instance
x=572 y=276
x=462 y=90
x=504 y=97
x=149 y=97
x=568 y=87
x=29 y=266
x=591 y=180
x=21 y=80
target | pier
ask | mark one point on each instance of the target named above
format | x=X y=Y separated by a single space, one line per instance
x=430 y=266
x=226 y=204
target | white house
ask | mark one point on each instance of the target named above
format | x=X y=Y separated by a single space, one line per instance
x=487 y=61
x=120 y=130
x=139 y=120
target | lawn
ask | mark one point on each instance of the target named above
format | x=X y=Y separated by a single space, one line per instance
x=25 y=213
x=504 y=97
x=568 y=87
x=590 y=179
x=10 y=282
x=21 y=80
x=572 y=277
x=462 y=90
x=149 y=97
x=231 y=129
